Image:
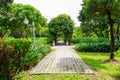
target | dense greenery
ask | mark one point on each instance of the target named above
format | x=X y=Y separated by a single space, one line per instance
x=12 y=54
x=19 y=12
x=19 y=54
x=103 y=71
x=34 y=55
x=5 y=9
x=15 y=26
x=96 y=47
x=77 y=32
x=101 y=16
x=62 y=25
x=99 y=24
x=78 y=40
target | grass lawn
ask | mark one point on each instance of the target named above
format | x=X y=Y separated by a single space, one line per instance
x=106 y=71
x=103 y=71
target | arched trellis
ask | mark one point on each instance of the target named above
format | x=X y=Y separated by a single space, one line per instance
x=62 y=23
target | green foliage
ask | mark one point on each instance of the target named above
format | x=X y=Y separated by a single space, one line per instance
x=34 y=55
x=118 y=52
x=42 y=40
x=42 y=33
x=77 y=32
x=77 y=40
x=21 y=45
x=62 y=23
x=13 y=24
x=12 y=52
x=96 y=47
x=101 y=13
x=5 y=8
x=18 y=55
x=18 y=14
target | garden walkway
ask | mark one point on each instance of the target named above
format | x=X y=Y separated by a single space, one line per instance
x=63 y=59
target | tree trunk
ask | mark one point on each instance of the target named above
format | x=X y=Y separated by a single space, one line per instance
x=111 y=35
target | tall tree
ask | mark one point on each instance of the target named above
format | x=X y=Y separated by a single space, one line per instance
x=61 y=24
x=106 y=8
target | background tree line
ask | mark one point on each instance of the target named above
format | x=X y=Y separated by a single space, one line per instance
x=13 y=15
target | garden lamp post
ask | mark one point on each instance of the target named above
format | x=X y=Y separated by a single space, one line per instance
x=26 y=23
x=33 y=29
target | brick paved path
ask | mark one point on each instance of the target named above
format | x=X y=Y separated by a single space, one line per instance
x=61 y=60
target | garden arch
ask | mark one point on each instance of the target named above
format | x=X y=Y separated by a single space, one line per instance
x=61 y=25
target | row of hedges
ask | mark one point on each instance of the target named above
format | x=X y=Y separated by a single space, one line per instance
x=18 y=54
x=77 y=40
x=96 y=47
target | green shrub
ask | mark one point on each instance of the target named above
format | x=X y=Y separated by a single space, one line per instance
x=21 y=45
x=96 y=47
x=42 y=40
x=34 y=55
x=12 y=52
x=118 y=53
x=19 y=54
x=88 y=40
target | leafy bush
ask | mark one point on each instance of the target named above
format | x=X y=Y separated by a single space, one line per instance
x=34 y=55
x=88 y=40
x=19 y=54
x=12 y=51
x=21 y=45
x=118 y=53
x=96 y=47
x=41 y=40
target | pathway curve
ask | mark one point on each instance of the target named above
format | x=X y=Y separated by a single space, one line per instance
x=63 y=59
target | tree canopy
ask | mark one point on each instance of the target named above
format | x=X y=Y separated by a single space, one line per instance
x=16 y=17
x=20 y=11
x=5 y=8
x=61 y=23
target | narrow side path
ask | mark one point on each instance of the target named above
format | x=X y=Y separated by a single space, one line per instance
x=62 y=60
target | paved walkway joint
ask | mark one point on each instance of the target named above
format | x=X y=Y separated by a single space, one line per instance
x=62 y=60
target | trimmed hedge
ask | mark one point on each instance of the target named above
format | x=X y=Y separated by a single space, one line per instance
x=96 y=47
x=77 y=40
